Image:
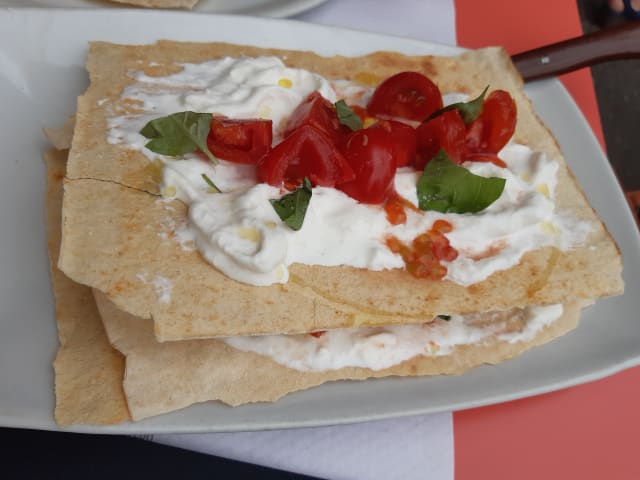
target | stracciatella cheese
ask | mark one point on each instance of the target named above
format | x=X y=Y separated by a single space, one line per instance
x=239 y=232
x=382 y=347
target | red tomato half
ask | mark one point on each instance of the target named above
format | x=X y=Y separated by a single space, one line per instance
x=446 y=131
x=240 y=141
x=370 y=155
x=408 y=95
x=306 y=152
x=318 y=112
x=494 y=127
x=404 y=140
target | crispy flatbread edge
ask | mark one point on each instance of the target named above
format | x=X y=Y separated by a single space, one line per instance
x=547 y=272
x=163 y=377
x=88 y=371
x=159 y=3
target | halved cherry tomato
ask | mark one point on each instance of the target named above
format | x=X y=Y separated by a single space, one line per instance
x=240 y=141
x=494 y=127
x=408 y=95
x=446 y=131
x=404 y=140
x=369 y=152
x=318 y=112
x=306 y=152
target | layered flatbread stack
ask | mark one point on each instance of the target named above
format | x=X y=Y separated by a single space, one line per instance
x=148 y=326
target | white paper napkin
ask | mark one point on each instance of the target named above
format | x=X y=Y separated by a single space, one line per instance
x=407 y=448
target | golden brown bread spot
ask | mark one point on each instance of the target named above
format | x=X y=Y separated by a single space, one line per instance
x=541 y=278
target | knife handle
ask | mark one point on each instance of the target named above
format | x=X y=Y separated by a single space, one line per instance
x=612 y=43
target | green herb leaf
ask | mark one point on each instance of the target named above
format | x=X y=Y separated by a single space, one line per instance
x=209 y=182
x=449 y=188
x=446 y=318
x=347 y=117
x=179 y=133
x=469 y=111
x=292 y=207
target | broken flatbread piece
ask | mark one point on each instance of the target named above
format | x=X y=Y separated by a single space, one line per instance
x=88 y=371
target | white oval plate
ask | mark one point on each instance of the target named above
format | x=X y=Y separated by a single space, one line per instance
x=42 y=54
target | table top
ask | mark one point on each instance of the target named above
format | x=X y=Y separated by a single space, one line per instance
x=574 y=429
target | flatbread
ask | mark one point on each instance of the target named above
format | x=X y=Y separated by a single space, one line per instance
x=115 y=228
x=162 y=377
x=159 y=3
x=88 y=371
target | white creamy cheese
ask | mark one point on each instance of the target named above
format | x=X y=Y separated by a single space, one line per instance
x=235 y=87
x=239 y=232
x=382 y=347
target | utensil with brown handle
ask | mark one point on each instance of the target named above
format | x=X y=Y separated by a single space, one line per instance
x=614 y=43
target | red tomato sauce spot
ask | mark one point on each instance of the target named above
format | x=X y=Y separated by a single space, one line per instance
x=424 y=255
x=395 y=208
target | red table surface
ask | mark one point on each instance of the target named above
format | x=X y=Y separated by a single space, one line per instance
x=590 y=431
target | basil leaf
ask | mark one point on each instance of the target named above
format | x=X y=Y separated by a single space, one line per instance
x=292 y=207
x=469 y=111
x=449 y=188
x=179 y=133
x=444 y=317
x=347 y=117
x=209 y=182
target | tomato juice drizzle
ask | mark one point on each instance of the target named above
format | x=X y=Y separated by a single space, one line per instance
x=424 y=255
x=395 y=209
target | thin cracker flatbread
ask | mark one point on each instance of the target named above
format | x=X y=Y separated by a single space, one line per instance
x=112 y=217
x=88 y=371
x=162 y=377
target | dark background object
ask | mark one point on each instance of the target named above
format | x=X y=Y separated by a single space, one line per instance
x=29 y=454
x=617 y=86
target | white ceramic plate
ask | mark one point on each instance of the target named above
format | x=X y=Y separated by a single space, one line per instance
x=263 y=8
x=41 y=72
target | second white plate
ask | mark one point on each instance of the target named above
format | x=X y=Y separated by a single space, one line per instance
x=261 y=8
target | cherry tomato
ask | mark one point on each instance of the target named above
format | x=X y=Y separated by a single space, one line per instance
x=369 y=152
x=318 y=112
x=408 y=95
x=404 y=140
x=446 y=131
x=240 y=141
x=494 y=127
x=306 y=152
